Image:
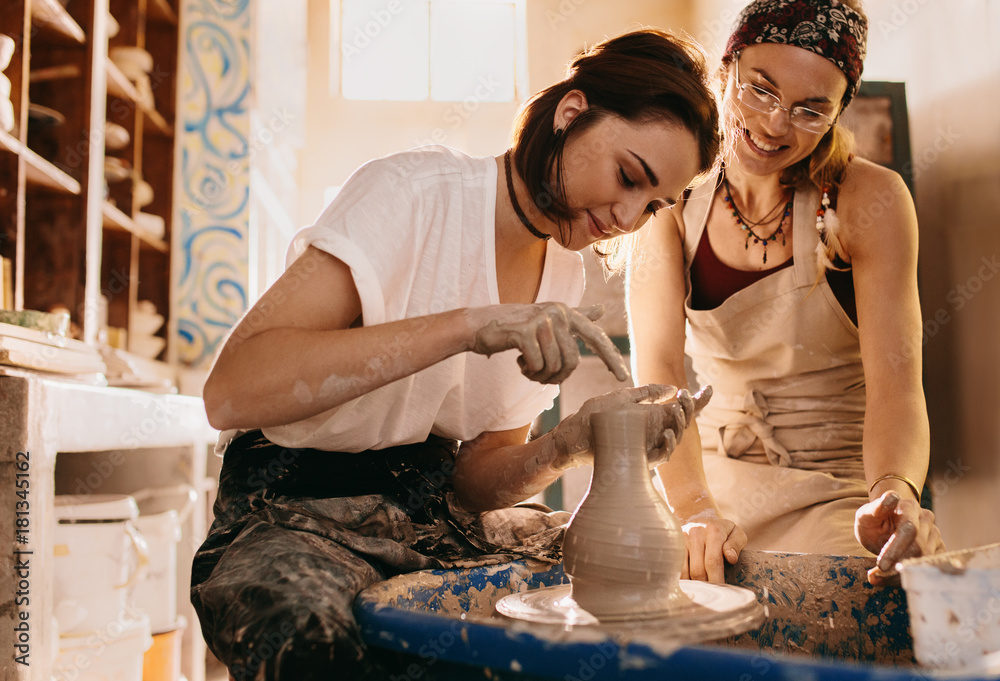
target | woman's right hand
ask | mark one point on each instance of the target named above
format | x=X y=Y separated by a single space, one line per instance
x=545 y=334
x=669 y=410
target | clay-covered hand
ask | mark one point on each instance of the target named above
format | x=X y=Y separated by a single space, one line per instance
x=711 y=542
x=669 y=410
x=894 y=529
x=545 y=334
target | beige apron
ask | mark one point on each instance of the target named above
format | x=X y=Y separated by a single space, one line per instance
x=782 y=434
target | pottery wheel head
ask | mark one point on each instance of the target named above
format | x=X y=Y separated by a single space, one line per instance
x=711 y=611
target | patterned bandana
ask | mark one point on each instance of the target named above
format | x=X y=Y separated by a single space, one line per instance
x=829 y=28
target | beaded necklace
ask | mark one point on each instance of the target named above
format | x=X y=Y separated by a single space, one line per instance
x=747 y=226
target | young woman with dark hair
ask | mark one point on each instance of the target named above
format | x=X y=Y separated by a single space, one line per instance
x=376 y=401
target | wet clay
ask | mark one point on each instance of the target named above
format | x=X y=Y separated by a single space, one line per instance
x=624 y=550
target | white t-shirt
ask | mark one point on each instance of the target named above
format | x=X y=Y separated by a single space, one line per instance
x=417 y=230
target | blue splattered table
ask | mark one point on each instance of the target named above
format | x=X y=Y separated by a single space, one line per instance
x=823 y=622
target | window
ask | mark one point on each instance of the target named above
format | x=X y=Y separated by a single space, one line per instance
x=442 y=50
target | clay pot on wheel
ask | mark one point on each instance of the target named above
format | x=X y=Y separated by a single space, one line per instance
x=624 y=550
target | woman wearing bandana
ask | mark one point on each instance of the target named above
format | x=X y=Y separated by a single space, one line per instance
x=791 y=285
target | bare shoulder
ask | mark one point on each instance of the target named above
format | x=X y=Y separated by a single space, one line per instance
x=874 y=205
x=660 y=235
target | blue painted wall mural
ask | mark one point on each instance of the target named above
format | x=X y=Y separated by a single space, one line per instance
x=211 y=252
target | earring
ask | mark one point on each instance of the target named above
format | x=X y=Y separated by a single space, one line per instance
x=558 y=133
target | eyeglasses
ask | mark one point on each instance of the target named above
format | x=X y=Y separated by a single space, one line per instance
x=759 y=99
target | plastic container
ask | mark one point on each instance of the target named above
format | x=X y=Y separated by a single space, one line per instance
x=99 y=555
x=113 y=653
x=162 y=512
x=954 y=604
x=162 y=662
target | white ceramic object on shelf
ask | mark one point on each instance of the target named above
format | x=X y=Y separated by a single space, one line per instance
x=116 y=169
x=134 y=62
x=6 y=108
x=145 y=323
x=7 y=45
x=143 y=193
x=146 y=346
x=144 y=88
x=6 y=115
x=150 y=224
x=115 y=136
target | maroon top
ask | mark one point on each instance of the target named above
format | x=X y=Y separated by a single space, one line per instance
x=713 y=281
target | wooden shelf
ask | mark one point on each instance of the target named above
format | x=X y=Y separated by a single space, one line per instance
x=100 y=240
x=121 y=87
x=39 y=171
x=63 y=72
x=116 y=219
x=53 y=15
x=9 y=143
x=160 y=10
x=152 y=242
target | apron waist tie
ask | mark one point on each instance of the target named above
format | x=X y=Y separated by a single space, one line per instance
x=737 y=437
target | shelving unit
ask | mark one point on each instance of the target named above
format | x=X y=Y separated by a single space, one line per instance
x=73 y=237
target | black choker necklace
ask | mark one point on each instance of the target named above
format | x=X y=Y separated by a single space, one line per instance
x=517 y=207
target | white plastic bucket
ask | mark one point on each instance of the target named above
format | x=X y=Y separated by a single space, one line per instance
x=954 y=603
x=156 y=595
x=98 y=557
x=161 y=514
x=113 y=653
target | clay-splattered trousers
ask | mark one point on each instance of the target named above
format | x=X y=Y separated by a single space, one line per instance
x=299 y=532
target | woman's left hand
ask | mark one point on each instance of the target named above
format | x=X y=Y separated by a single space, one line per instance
x=711 y=542
x=894 y=529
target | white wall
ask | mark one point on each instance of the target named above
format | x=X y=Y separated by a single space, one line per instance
x=948 y=55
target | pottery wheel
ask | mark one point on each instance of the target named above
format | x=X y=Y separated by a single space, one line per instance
x=715 y=611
